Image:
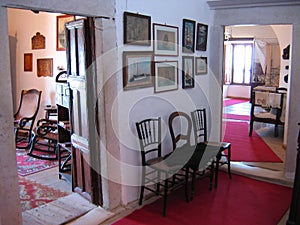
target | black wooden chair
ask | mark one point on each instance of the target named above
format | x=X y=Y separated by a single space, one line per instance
x=268 y=107
x=200 y=133
x=25 y=116
x=180 y=127
x=157 y=175
x=45 y=139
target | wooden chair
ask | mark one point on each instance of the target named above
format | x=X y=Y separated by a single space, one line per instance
x=180 y=127
x=157 y=175
x=44 y=142
x=200 y=134
x=25 y=117
x=268 y=107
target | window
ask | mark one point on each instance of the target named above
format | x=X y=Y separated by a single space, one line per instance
x=238 y=62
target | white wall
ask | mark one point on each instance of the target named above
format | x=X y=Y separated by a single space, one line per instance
x=136 y=105
x=45 y=23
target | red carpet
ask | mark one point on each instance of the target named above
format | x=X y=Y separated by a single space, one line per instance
x=237 y=201
x=233 y=101
x=245 y=148
x=29 y=165
x=236 y=117
x=33 y=194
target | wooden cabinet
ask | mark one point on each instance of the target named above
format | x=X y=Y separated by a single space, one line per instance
x=64 y=131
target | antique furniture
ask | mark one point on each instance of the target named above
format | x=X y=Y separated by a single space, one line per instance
x=25 y=117
x=44 y=141
x=200 y=134
x=156 y=173
x=180 y=126
x=268 y=106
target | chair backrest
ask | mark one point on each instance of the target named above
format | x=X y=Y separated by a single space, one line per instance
x=29 y=104
x=180 y=127
x=199 y=125
x=149 y=133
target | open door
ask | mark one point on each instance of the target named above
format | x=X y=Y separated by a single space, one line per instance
x=86 y=178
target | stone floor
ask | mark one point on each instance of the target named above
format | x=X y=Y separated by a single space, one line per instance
x=271 y=172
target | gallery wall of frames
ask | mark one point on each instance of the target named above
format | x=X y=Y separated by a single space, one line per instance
x=144 y=68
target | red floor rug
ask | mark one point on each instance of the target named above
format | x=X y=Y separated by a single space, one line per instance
x=233 y=101
x=236 y=117
x=237 y=201
x=245 y=148
x=33 y=194
x=29 y=165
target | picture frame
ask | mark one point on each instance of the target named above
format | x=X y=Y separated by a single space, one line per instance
x=201 y=65
x=137 y=69
x=165 y=40
x=201 y=42
x=28 y=62
x=188 y=77
x=188 y=36
x=166 y=76
x=60 y=31
x=45 y=67
x=137 y=29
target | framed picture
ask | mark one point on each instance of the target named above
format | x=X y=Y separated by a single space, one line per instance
x=188 y=36
x=137 y=70
x=166 y=76
x=60 y=31
x=45 y=67
x=165 y=39
x=28 y=62
x=201 y=65
x=188 y=72
x=202 y=31
x=137 y=29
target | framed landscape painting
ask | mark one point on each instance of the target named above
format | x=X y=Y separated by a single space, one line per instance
x=137 y=29
x=166 y=76
x=165 y=40
x=137 y=70
x=188 y=36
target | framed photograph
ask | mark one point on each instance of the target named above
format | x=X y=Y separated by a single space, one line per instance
x=166 y=76
x=137 y=29
x=201 y=65
x=201 y=42
x=165 y=39
x=188 y=72
x=60 y=31
x=137 y=70
x=28 y=62
x=188 y=36
x=45 y=67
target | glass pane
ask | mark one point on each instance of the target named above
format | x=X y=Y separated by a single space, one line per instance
x=239 y=61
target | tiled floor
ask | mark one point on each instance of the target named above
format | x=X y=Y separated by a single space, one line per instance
x=272 y=172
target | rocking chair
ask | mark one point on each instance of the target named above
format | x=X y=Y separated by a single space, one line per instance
x=25 y=116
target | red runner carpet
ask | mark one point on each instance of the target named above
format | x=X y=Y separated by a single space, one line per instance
x=236 y=117
x=245 y=148
x=233 y=101
x=29 y=165
x=33 y=194
x=240 y=200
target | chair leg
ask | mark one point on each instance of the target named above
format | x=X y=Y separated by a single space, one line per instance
x=251 y=128
x=141 y=195
x=229 y=161
x=211 y=177
x=193 y=185
x=165 y=198
x=186 y=182
x=217 y=169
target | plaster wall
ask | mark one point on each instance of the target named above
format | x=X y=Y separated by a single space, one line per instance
x=136 y=105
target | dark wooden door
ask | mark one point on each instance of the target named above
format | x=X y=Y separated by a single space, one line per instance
x=86 y=178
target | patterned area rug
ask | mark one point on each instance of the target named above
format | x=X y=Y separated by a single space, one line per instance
x=33 y=194
x=29 y=165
